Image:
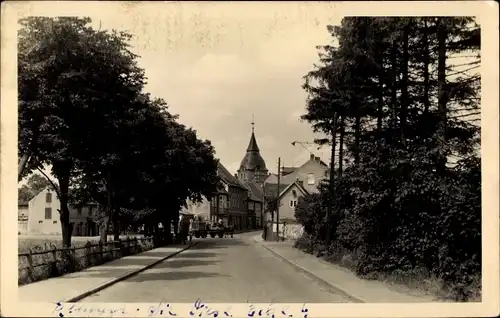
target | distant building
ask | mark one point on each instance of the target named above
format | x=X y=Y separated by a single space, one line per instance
x=252 y=174
x=228 y=204
x=43 y=216
x=252 y=167
x=22 y=217
x=295 y=182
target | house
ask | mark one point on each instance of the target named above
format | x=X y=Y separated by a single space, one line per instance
x=294 y=183
x=228 y=204
x=255 y=205
x=22 y=217
x=43 y=216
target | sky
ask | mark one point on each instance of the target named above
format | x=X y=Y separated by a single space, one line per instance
x=219 y=67
x=220 y=64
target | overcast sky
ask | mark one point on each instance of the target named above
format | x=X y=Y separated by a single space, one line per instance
x=219 y=63
x=216 y=66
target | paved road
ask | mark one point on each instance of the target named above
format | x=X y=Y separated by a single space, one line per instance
x=220 y=270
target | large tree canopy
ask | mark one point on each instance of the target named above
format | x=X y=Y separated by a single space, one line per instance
x=83 y=112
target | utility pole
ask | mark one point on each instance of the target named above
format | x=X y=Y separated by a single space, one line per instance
x=331 y=183
x=278 y=201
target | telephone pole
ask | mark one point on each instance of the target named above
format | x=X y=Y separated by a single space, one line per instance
x=278 y=201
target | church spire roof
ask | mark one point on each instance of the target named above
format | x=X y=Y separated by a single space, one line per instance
x=252 y=145
x=252 y=159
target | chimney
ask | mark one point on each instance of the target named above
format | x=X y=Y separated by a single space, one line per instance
x=312 y=157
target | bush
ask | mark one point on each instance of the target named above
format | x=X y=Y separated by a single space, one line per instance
x=395 y=214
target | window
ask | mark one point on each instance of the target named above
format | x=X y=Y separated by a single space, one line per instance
x=90 y=211
x=48 y=213
x=48 y=197
x=293 y=203
x=310 y=178
x=79 y=210
x=54 y=222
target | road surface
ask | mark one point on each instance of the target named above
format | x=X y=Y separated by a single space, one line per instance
x=220 y=271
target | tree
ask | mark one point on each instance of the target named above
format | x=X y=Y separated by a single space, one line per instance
x=67 y=71
x=405 y=106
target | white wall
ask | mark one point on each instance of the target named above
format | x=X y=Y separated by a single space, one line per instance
x=22 y=219
x=287 y=211
x=301 y=173
x=37 y=223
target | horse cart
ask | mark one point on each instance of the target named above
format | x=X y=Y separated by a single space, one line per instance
x=200 y=228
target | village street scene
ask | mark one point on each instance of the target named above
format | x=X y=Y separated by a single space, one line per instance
x=272 y=158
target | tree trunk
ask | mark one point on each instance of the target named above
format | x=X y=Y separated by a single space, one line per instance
x=116 y=221
x=426 y=68
x=62 y=172
x=394 y=102
x=22 y=165
x=442 y=35
x=331 y=183
x=109 y=210
x=104 y=227
x=380 y=102
x=357 y=135
x=341 y=145
x=404 y=84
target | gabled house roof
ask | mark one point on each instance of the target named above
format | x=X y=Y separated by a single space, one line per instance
x=271 y=189
x=289 y=187
x=227 y=177
x=255 y=192
x=287 y=170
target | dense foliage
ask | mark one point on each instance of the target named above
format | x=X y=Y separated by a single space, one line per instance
x=83 y=112
x=35 y=184
x=398 y=96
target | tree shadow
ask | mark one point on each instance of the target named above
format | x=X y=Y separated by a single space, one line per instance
x=181 y=263
x=169 y=276
x=222 y=243
x=198 y=255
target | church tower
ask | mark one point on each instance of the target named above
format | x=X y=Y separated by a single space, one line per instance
x=253 y=167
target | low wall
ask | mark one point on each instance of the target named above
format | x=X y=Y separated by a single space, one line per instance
x=288 y=230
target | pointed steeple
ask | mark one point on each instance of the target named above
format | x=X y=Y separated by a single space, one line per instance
x=252 y=161
x=252 y=145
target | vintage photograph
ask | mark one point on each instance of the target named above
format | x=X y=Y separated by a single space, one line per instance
x=297 y=156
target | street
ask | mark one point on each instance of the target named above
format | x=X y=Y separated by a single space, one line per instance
x=220 y=270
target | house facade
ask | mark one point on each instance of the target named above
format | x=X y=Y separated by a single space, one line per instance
x=22 y=218
x=43 y=216
x=294 y=183
x=228 y=204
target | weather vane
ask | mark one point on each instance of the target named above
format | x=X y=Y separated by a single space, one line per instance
x=253 y=123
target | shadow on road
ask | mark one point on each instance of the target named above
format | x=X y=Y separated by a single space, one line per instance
x=198 y=255
x=222 y=243
x=172 y=276
x=181 y=263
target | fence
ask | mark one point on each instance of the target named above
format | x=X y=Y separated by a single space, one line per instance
x=287 y=230
x=38 y=265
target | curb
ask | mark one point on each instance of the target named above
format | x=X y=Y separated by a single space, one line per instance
x=308 y=273
x=124 y=276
